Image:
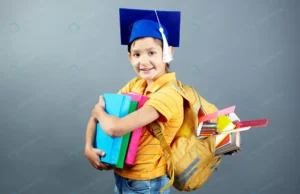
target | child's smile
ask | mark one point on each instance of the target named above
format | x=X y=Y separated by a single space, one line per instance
x=147 y=70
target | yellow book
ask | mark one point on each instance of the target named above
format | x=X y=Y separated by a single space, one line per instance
x=223 y=124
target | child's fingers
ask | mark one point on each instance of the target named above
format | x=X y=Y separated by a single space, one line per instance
x=99 y=152
x=101 y=101
x=110 y=168
x=100 y=98
x=100 y=166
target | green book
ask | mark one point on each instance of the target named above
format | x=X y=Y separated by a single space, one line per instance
x=126 y=138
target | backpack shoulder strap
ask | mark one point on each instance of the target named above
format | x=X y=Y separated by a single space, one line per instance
x=157 y=127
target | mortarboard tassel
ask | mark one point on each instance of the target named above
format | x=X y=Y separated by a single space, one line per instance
x=166 y=53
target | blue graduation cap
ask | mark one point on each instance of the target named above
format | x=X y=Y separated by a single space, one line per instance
x=163 y=25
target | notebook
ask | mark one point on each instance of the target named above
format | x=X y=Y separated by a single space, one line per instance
x=224 y=142
x=205 y=127
x=116 y=105
x=233 y=144
x=220 y=138
x=135 y=134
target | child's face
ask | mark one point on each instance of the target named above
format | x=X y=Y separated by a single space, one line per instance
x=146 y=56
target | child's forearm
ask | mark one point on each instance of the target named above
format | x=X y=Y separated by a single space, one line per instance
x=108 y=122
x=90 y=132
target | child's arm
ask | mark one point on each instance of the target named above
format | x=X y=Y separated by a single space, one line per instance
x=90 y=132
x=115 y=126
x=161 y=105
x=91 y=153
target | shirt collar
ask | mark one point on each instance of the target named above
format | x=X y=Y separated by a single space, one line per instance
x=159 y=82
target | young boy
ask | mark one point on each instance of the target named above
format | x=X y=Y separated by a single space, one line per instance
x=150 y=50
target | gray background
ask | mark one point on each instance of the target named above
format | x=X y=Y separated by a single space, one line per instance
x=57 y=57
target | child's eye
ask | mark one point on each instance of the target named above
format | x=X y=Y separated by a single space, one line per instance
x=151 y=53
x=136 y=54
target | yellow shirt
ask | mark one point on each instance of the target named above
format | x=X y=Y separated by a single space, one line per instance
x=149 y=161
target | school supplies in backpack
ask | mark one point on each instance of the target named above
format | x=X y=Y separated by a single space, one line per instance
x=190 y=161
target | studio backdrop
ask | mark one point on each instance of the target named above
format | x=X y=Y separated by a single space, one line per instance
x=58 y=57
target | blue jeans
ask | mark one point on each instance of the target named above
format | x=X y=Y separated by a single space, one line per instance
x=128 y=186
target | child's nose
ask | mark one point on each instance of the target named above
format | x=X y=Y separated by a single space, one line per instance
x=144 y=60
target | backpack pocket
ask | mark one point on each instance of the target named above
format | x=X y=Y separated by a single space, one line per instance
x=194 y=161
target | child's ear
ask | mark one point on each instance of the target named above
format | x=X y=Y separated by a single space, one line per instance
x=129 y=57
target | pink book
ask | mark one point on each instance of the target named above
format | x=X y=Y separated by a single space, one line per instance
x=135 y=134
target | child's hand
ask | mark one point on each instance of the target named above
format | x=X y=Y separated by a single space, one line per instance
x=100 y=105
x=101 y=102
x=93 y=155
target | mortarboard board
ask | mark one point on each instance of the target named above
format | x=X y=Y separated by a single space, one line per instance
x=137 y=23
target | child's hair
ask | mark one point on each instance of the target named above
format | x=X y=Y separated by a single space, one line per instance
x=158 y=42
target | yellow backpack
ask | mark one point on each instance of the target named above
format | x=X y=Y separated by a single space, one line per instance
x=190 y=161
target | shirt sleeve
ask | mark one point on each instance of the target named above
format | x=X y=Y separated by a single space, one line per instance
x=167 y=102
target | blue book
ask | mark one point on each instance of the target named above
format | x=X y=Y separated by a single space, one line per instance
x=115 y=105
x=117 y=141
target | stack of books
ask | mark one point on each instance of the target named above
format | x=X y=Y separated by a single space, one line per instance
x=227 y=129
x=119 y=150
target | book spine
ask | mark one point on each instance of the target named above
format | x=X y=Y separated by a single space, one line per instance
x=117 y=143
x=135 y=138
